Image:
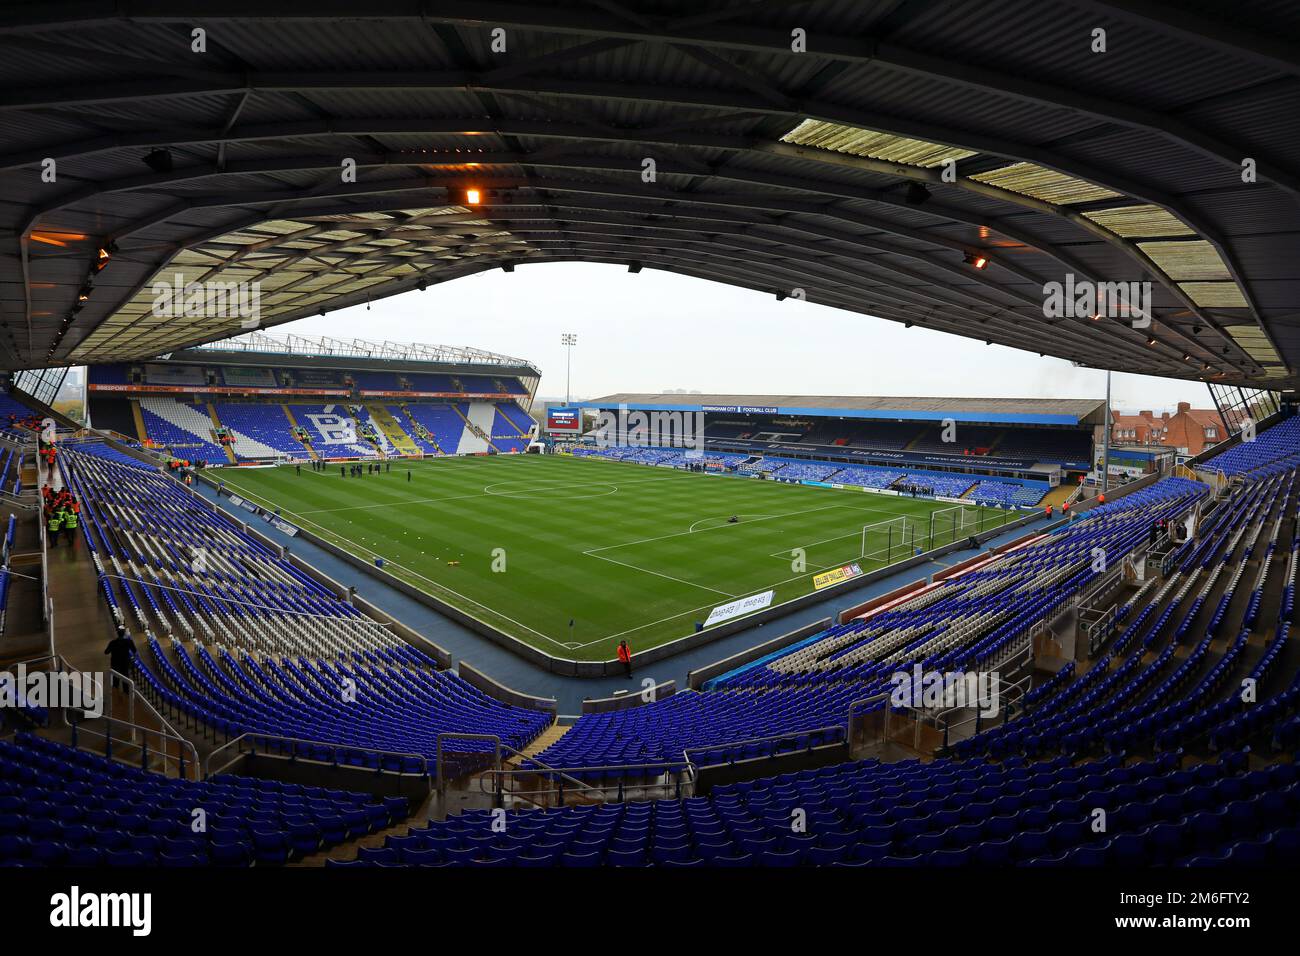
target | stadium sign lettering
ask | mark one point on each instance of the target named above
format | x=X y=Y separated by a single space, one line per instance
x=742 y=409
x=836 y=575
x=725 y=612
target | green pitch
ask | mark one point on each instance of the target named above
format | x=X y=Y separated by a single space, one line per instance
x=624 y=551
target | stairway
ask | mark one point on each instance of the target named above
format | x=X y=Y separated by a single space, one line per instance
x=293 y=426
x=428 y=436
x=379 y=441
x=140 y=431
x=381 y=416
x=476 y=438
x=543 y=740
x=216 y=425
x=1056 y=496
x=242 y=445
x=915 y=438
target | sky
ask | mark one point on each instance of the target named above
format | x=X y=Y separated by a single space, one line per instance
x=656 y=331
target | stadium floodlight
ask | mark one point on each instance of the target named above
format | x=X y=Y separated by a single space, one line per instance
x=568 y=340
x=507 y=267
x=473 y=197
x=979 y=262
x=103 y=255
x=634 y=267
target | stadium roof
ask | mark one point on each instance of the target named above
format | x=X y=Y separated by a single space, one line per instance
x=258 y=346
x=804 y=150
x=1026 y=410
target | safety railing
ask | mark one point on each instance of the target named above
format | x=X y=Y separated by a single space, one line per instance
x=499 y=780
x=140 y=743
x=1014 y=690
x=642 y=780
x=318 y=751
x=752 y=748
x=123 y=738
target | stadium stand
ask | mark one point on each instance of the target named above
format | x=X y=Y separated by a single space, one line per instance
x=61 y=806
x=940 y=813
x=969 y=621
x=333 y=430
x=947 y=168
x=1008 y=493
x=442 y=422
x=272 y=646
x=1273 y=450
x=185 y=428
x=260 y=431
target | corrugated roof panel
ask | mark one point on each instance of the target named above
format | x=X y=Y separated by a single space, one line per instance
x=1045 y=184
x=870 y=143
x=1212 y=295
x=1188 y=260
x=1143 y=221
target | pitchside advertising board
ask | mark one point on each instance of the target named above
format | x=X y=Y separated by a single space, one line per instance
x=564 y=421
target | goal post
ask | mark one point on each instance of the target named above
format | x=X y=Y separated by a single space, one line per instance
x=949 y=525
x=891 y=540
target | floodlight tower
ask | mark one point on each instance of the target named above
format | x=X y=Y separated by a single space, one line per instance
x=568 y=340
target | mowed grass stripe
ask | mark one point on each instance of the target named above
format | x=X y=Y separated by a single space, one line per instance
x=547 y=513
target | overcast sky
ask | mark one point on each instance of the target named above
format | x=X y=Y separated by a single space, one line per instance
x=656 y=331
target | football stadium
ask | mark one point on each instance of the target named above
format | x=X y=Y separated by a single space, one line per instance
x=287 y=587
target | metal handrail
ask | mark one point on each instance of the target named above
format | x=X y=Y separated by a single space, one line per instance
x=78 y=729
x=164 y=730
x=944 y=716
x=61 y=665
x=501 y=774
x=334 y=746
x=749 y=741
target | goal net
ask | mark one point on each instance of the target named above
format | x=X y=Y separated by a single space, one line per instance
x=892 y=540
x=949 y=525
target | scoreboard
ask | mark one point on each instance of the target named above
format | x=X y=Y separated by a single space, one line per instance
x=564 y=421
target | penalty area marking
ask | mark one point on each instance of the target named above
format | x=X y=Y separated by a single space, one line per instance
x=727 y=520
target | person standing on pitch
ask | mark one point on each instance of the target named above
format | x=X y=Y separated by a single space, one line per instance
x=408 y=474
x=625 y=655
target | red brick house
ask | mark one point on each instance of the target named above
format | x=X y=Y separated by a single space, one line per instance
x=1190 y=430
